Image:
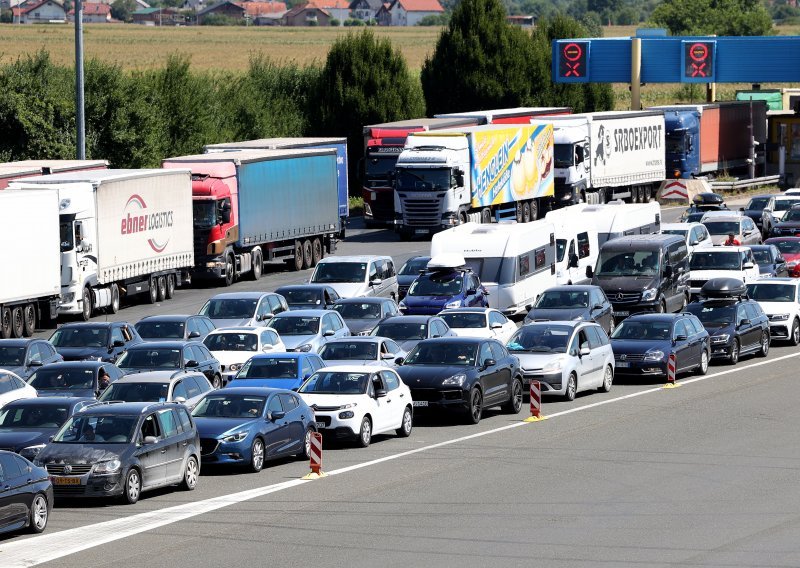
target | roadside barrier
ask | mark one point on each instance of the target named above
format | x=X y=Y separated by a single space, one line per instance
x=671 y=384
x=316 y=457
x=536 y=403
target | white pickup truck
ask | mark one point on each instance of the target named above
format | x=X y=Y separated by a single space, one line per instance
x=719 y=262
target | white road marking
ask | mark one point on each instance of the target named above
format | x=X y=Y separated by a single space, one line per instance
x=51 y=546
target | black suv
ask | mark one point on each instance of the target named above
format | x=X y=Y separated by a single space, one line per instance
x=736 y=324
x=94 y=341
x=123 y=448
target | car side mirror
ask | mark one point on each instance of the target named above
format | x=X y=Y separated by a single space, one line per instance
x=680 y=337
x=375 y=282
x=694 y=242
x=193 y=334
x=276 y=415
x=489 y=363
x=748 y=265
x=329 y=333
x=597 y=307
x=497 y=325
x=744 y=322
x=584 y=351
x=150 y=440
x=192 y=363
x=471 y=291
x=180 y=400
x=380 y=393
x=386 y=356
x=589 y=272
x=35 y=364
x=399 y=361
x=118 y=343
x=265 y=317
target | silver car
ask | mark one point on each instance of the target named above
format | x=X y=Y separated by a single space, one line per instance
x=362 y=350
x=243 y=309
x=159 y=386
x=309 y=330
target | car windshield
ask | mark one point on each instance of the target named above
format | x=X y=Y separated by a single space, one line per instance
x=784 y=204
x=231 y=341
x=357 y=310
x=788 y=247
x=400 y=331
x=562 y=299
x=336 y=382
x=644 y=330
x=719 y=228
x=792 y=215
x=344 y=272
x=160 y=329
x=270 y=368
x=164 y=358
x=136 y=392
x=24 y=417
x=757 y=203
x=230 y=308
x=295 y=325
x=56 y=377
x=80 y=337
x=230 y=406
x=450 y=353
x=713 y=313
x=437 y=284
x=715 y=260
x=350 y=350
x=628 y=263
x=12 y=356
x=413 y=266
x=762 y=256
x=465 y=320
x=540 y=339
x=771 y=292
x=97 y=429
x=302 y=297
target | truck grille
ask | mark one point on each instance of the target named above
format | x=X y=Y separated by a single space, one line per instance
x=383 y=204
x=621 y=298
x=75 y=469
x=200 y=243
x=421 y=212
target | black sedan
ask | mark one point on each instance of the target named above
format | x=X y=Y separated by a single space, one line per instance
x=567 y=303
x=73 y=378
x=26 y=494
x=27 y=425
x=94 y=341
x=463 y=374
x=157 y=328
x=308 y=296
x=166 y=355
x=362 y=314
x=755 y=209
x=23 y=356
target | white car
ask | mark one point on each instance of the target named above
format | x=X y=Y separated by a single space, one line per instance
x=233 y=346
x=362 y=350
x=696 y=234
x=359 y=401
x=479 y=322
x=780 y=300
x=566 y=357
x=721 y=262
x=12 y=388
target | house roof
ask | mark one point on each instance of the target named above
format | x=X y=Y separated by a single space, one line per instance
x=374 y=5
x=330 y=4
x=93 y=9
x=299 y=9
x=29 y=7
x=255 y=9
x=421 y=5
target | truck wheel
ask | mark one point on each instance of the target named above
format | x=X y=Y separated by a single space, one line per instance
x=161 y=283
x=17 y=322
x=153 y=292
x=308 y=254
x=114 y=307
x=298 y=255
x=526 y=212
x=29 y=316
x=86 y=314
x=5 y=323
x=229 y=270
x=534 y=210
x=636 y=195
x=462 y=217
x=646 y=194
x=258 y=265
x=486 y=215
x=601 y=196
x=170 y=286
x=318 y=253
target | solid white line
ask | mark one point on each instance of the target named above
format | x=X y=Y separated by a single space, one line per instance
x=51 y=546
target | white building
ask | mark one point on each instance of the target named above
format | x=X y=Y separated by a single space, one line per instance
x=40 y=12
x=410 y=12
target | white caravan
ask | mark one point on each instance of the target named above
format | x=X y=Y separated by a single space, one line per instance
x=576 y=244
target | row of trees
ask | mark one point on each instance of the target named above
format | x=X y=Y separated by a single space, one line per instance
x=136 y=119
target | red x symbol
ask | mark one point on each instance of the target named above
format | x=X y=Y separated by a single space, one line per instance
x=573 y=69
x=697 y=70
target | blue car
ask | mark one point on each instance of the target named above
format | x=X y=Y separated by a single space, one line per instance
x=413 y=267
x=249 y=425
x=277 y=370
x=643 y=342
x=438 y=289
x=770 y=261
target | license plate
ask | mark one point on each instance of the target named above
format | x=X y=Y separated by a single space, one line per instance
x=421 y=231
x=623 y=365
x=420 y=403
x=621 y=314
x=66 y=480
x=320 y=425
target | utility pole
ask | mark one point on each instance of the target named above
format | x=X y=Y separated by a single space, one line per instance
x=79 y=106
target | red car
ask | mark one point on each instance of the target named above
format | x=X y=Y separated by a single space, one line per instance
x=790 y=249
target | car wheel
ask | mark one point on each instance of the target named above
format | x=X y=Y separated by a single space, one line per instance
x=29 y=317
x=407 y=424
x=257 y=456
x=794 y=336
x=608 y=379
x=86 y=314
x=703 y=368
x=114 y=306
x=217 y=382
x=734 y=358
x=572 y=387
x=5 y=323
x=764 y=351
x=258 y=265
x=170 y=286
x=365 y=433
x=38 y=514
x=190 y=474
x=514 y=404
x=133 y=487
x=305 y=452
x=475 y=411
x=17 y=322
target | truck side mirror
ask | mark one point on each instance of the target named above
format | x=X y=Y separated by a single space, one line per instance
x=225 y=215
x=459 y=178
x=589 y=272
x=573 y=260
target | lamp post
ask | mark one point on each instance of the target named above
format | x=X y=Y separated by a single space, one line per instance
x=79 y=106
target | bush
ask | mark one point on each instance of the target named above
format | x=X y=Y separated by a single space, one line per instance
x=335 y=22
x=434 y=20
x=221 y=20
x=354 y=22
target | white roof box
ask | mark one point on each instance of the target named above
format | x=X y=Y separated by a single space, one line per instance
x=446 y=260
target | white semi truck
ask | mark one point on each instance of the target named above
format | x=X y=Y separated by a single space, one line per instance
x=123 y=232
x=602 y=156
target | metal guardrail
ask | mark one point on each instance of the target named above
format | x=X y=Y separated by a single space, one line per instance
x=744 y=183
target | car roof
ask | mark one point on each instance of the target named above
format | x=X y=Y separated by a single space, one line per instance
x=21 y=342
x=789 y=197
x=781 y=239
x=657 y=317
x=120 y=407
x=759 y=247
x=358 y=339
x=166 y=344
x=261 y=391
x=302 y=287
x=776 y=280
x=91 y=324
x=175 y=317
x=461 y=339
x=408 y=319
x=356 y=258
x=47 y=401
x=353 y=369
x=240 y=295
x=572 y=288
x=679 y=226
x=78 y=364
x=363 y=300
x=474 y=310
x=242 y=329
x=568 y=323
x=302 y=313
x=723 y=216
x=157 y=376
x=722 y=249
x=650 y=241
x=287 y=355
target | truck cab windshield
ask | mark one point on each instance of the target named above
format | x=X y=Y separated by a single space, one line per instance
x=378 y=169
x=423 y=179
x=675 y=143
x=67 y=233
x=563 y=156
x=205 y=214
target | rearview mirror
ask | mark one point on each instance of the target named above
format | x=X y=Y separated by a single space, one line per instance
x=386 y=356
x=398 y=361
x=497 y=325
x=748 y=265
x=744 y=322
x=192 y=363
x=489 y=363
x=149 y=440
x=193 y=334
x=328 y=333
x=36 y=363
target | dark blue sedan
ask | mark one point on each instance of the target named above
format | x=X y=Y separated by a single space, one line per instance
x=770 y=261
x=248 y=426
x=643 y=342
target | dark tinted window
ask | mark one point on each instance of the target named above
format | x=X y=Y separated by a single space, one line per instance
x=169 y=423
x=10 y=467
x=288 y=402
x=192 y=388
x=183 y=417
x=753 y=310
x=498 y=351
x=275 y=404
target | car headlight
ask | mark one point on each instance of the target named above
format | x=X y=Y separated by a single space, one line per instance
x=346 y=414
x=723 y=338
x=779 y=317
x=453 y=304
x=553 y=366
x=31 y=451
x=365 y=332
x=110 y=466
x=235 y=367
x=304 y=348
x=455 y=380
x=402 y=306
x=655 y=355
x=650 y=294
x=348 y=405
x=236 y=437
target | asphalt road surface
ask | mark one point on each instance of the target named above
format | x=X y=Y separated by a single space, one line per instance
x=701 y=475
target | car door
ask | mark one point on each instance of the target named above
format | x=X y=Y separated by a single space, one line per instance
x=685 y=355
x=750 y=267
x=756 y=316
x=745 y=328
x=205 y=361
x=296 y=423
x=491 y=375
x=586 y=367
x=750 y=234
x=278 y=435
x=498 y=324
x=152 y=456
x=193 y=330
x=173 y=459
x=117 y=343
x=395 y=397
x=264 y=312
x=600 y=310
x=382 y=419
x=780 y=262
x=597 y=346
x=12 y=505
x=33 y=360
x=505 y=368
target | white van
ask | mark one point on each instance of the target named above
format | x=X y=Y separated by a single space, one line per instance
x=358 y=276
x=576 y=244
x=618 y=219
x=515 y=262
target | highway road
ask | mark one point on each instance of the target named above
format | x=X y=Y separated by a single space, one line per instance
x=702 y=475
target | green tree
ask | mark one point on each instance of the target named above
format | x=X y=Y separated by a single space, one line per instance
x=480 y=62
x=365 y=80
x=123 y=10
x=707 y=17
